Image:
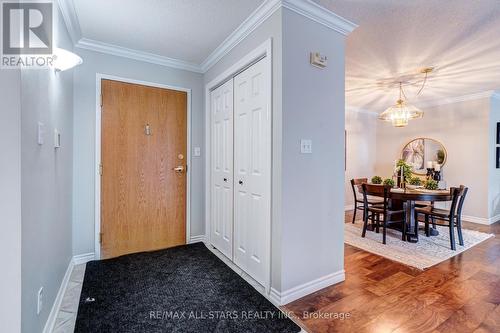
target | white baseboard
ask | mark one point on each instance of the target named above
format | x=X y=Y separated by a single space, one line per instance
x=197 y=239
x=474 y=219
x=51 y=320
x=76 y=260
x=83 y=258
x=495 y=219
x=305 y=289
x=274 y=297
x=481 y=220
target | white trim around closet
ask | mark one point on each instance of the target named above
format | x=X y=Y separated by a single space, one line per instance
x=97 y=195
x=263 y=50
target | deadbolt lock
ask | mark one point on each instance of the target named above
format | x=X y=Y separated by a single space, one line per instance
x=178 y=169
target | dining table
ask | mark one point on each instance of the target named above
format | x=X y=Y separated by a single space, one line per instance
x=407 y=199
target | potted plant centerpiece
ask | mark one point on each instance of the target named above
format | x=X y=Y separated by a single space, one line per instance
x=431 y=184
x=414 y=182
x=389 y=182
x=377 y=180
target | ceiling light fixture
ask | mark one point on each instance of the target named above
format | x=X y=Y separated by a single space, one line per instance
x=402 y=112
x=64 y=60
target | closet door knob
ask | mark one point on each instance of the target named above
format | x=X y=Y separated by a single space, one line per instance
x=240 y=182
x=225 y=179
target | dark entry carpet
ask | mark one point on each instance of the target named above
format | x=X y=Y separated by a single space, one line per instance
x=182 y=289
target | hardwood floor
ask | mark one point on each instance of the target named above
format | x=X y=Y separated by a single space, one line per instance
x=461 y=294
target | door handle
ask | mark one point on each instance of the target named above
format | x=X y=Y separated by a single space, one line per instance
x=178 y=169
x=225 y=179
x=240 y=182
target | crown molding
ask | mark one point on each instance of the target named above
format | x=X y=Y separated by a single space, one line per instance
x=252 y=22
x=320 y=15
x=70 y=18
x=456 y=99
x=353 y=109
x=438 y=102
x=93 y=45
x=306 y=8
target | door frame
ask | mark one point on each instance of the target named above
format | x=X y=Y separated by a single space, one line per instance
x=263 y=50
x=98 y=143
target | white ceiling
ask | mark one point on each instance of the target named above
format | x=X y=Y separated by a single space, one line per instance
x=187 y=30
x=461 y=38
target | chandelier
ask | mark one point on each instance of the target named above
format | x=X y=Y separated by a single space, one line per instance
x=401 y=113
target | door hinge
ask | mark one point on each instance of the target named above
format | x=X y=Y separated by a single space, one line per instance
x=100 y=169
x=101 y=101
x=100 y=238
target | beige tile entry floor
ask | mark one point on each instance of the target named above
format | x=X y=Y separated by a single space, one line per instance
x=66 y=318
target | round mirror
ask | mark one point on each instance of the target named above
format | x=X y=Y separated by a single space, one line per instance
x=422 y=153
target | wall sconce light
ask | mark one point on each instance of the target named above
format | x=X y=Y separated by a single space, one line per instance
x=64 y=60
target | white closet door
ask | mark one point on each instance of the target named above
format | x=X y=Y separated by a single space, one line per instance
x=252 y=165
x=222 y=169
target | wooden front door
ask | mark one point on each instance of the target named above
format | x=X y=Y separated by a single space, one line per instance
x=143 y=178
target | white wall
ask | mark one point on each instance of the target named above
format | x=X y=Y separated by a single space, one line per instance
x=312 y=185
x=361 y=149
x=10 y=200
x=84 y=142
x=46 y=190
x=494 y=173
x=463 y=130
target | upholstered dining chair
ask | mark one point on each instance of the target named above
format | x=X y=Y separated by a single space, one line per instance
x=359 y=202
x=449 y=218
x=375 y=211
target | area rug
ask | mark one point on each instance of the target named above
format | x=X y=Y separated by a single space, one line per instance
x=428 y=252
x=182 y=289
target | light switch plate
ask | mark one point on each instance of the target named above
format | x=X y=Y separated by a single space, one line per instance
x=41 y=133
x=57 y=139
x=305 y=146
x=197 y=151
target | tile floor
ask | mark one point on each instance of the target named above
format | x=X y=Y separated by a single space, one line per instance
x=66 y=318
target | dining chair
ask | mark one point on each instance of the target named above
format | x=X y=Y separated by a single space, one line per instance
x=383 y=209
x=359 y=203
x=452 y=218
